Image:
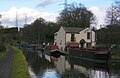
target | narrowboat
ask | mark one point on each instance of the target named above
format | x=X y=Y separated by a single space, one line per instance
x=88 y=54
x=53 y=50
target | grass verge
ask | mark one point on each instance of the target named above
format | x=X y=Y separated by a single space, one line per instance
x=19 y=69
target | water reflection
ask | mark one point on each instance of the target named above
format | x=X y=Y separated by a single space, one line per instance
x=73 y=67
x=69 y=67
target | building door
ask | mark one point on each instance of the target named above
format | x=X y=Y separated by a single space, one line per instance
x=72 y=37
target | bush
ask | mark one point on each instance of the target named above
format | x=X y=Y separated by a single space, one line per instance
x=2 y=47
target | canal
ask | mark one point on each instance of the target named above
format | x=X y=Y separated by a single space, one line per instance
x=45 y=66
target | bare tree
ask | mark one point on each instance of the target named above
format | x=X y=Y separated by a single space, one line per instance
x=113 y=14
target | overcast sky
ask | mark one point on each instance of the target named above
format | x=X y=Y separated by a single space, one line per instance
x=47 y=9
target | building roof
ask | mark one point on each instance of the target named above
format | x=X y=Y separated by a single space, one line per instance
x=72 y=29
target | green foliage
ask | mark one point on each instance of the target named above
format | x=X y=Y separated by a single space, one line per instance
x=1 y=27
x=76 y=15
x=116 y=52
x=36 y=31
x=9 y=35
x=19 y=69
x=3 y=53
x=2 y=47
x=40 y=31
x=52 y=29
x=9 y=30
x=109 y=35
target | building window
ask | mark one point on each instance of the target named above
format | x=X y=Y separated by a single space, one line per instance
x=88 y=35
x=72 y=37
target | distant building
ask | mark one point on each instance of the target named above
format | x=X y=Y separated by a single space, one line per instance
x=66 y=35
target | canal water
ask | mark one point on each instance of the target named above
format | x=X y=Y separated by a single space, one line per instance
x=45 y=66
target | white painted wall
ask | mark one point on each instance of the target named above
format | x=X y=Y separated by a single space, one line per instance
x=60 y=38
x=83 y=35
x=68 y=37
x=93 y=38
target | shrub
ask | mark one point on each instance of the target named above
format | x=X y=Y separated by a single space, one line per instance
x=2 y=46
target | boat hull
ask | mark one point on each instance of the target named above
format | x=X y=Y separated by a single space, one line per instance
x=90 y=54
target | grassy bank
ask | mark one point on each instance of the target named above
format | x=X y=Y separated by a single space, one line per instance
x=19 y=69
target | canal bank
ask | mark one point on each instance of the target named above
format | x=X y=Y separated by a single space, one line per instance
x=19 y=67
x=13 y=64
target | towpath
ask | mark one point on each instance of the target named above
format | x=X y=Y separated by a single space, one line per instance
x=6 y=64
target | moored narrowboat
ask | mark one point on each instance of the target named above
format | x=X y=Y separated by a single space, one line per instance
x=85 y=53
x=53 y=50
